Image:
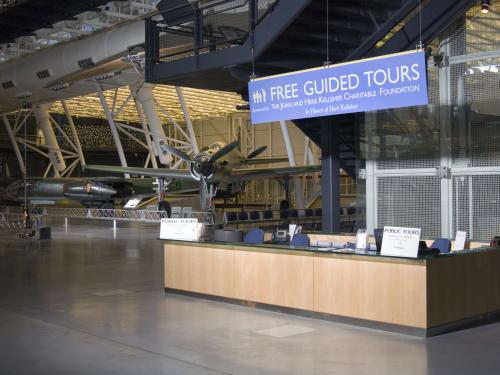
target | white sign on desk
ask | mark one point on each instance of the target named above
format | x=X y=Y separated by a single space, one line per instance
x=180 y=229
x=459 y=243
x=400 y=242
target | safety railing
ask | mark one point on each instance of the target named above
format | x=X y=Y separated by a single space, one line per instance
x=15 y=223
x=147 y=216
x=196 y=28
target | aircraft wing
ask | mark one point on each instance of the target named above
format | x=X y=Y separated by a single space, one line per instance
x=178 y=174
x=239 y=175
x=265 y=161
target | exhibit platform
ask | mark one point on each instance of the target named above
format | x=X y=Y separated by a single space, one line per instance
x=424 y=296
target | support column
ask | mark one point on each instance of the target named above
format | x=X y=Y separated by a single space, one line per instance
x=189 y=124
x=153 y=152
x=14 y=144
x=299 y=195
x=74 y=133
x=330 y=163
x=145 y=97
x=42 y=116
x=112 y=126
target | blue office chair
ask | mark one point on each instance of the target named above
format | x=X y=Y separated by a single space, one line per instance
x=443 y=244
x=300 y=239
x=255 y=236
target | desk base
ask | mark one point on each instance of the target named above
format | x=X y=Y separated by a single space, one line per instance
x=370 y=324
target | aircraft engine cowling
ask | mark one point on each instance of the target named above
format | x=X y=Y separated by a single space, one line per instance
x=88 y=189
x=202 y=166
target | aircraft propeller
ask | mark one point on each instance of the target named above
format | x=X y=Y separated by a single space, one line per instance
x=257 y=152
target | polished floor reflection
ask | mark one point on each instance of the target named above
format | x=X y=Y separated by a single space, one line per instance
x=91 y=301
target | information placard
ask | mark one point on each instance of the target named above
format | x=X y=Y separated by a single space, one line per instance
x=361 y=239
x=390 y=81
x=400 y=242
x=180 y=229
x=459 y=243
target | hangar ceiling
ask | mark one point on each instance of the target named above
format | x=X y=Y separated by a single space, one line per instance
x=200 y=103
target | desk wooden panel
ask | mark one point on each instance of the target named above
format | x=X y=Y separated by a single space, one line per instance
x=200 y=269
x=383 y=292
x=429 y=295
x=275 y=279
x=463 y=286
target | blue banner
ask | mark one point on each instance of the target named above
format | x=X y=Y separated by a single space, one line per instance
x=384 y=82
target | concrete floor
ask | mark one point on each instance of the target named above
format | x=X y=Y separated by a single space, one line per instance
x=91 y=301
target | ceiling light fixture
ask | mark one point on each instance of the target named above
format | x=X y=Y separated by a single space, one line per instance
x=485 y=6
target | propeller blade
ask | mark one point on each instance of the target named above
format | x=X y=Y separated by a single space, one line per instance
x=224 y=151
x=172 y=150
x=257 y=152
x=203 y=198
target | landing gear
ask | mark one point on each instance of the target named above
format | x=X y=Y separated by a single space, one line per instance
x=209 y=193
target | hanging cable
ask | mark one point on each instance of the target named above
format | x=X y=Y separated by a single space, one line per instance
x=420 y=44
x=327 y=61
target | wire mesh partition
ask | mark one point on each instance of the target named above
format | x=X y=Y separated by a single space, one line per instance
x=197 y=28
x=437 y=167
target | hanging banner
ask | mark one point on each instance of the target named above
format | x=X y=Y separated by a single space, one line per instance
x=384 y=82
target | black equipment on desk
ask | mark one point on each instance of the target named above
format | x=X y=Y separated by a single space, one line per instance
x=280 y=236
x=424 y=250
x=379 y=236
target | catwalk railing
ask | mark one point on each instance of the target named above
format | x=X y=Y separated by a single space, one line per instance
x=196 y=28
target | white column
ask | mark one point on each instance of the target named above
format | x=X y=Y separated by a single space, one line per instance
x=112 y=126
x=14 y=144
x=145 y=96
x=42 y=116
x=74 y=133
x=189 y=124
x=299 y=196
x=152 y=151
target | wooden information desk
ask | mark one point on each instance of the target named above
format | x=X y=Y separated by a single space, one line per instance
x=421 y=297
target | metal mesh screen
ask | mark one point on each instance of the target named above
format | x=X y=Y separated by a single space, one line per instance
x=476 y=205
x=410 y=201
x=475 y=123
x=406 y=137
x=478 y=32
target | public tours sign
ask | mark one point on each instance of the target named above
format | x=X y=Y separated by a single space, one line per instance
x=384 y=82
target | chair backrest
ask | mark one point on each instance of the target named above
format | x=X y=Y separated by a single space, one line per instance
x=242 y=215
x=230 y=216
x=443 y=244
x=300 y=239
x=267 y=214
x=254 y=236
x=309 y=212
x=187 y=212
x=176 y=212
x=254 y=215
x=294 y=213
x=318 y=212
